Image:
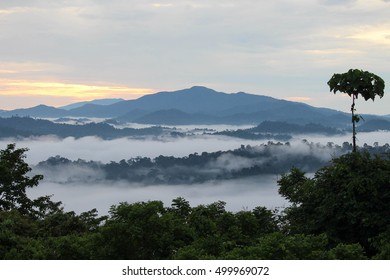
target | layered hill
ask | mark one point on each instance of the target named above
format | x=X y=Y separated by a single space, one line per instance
x=196 y=105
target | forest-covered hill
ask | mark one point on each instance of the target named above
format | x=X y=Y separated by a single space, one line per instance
x=271 y=158
x=26 y=127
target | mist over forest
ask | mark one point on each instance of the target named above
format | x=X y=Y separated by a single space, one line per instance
x=239 y=194
x=107 y=162
x=91 y=172
x=239 y=177
x=246 y=161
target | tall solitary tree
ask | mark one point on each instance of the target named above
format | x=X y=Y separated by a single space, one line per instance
x=353 y=83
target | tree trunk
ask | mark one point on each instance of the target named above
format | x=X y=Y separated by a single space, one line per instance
x=353 y=124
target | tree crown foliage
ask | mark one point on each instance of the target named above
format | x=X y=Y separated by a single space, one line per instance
x=349 y=200
x=355 y=82
x=14 y=183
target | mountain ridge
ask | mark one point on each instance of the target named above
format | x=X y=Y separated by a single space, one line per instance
x=195 y=105
x=105 y=101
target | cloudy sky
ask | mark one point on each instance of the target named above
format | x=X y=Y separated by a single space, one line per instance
x=58 y=52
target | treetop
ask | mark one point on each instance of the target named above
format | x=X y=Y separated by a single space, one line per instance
x=355 y=82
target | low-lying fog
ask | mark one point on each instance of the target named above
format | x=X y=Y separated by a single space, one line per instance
x=93 y=148
x=240 y=194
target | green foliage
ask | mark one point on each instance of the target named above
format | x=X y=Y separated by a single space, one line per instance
x=66 y=223
x=69 y=247
x=347 y=252
x=15 y=232
x=136 y=231
x=349 y=200
x=382 y=245
x=37 y=228
x=343 y=212
x=292 y=185
x=355 y=82
x=14 y=181
x=278 y=246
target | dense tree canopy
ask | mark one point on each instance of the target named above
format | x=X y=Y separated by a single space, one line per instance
x=340 y=213
x=14 y=182
x=348 y=200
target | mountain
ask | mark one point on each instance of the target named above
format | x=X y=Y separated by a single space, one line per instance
x=374 y=125
x=131 y=116
x=196 y=105
x=207 y=106
x=284 y=127
x=193 y=100
x=202 y=100
x=107 y=101
x=41 y=111
x=175 y=117
x=26 y=127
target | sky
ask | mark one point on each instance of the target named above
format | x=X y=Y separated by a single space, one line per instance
x=64 y=51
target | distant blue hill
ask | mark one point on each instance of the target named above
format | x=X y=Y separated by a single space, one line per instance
x=41 y=111
x=26 y=127
x=196 y=105
x=107 y=101
x=176 y=117
x=193 y=100
x=374 y=125
x=284 y=127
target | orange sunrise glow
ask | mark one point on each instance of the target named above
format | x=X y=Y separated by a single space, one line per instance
x=70 y=92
